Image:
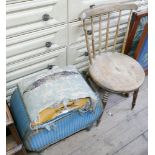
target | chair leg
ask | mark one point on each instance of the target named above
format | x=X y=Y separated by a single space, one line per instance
x=105 y=98
x=135 y=94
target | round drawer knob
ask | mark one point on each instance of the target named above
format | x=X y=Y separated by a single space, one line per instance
x=48 y=44
x=89 y=32
x=50 y=66
x=86 y=53
x=91 y=6
x=46 y=17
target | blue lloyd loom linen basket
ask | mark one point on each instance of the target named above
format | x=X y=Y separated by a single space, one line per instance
x=58 y=128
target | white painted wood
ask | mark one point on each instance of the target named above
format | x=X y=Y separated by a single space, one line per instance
x=14 y=1
x=77 y=6
x=27 y=16
x=33 y=60
x=37 y=40
x=59 y=58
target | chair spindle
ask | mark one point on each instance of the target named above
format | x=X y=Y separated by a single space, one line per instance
x=100 y=33
x=117 y=30
x=107 y=31
x=93 y=45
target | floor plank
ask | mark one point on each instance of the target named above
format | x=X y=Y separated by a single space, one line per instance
x=115 y=138
x=146 y=135
x=138 y=146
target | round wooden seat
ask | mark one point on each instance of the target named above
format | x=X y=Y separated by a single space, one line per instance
x=116 y=72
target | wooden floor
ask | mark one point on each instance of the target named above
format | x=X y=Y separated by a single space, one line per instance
x=121 y=132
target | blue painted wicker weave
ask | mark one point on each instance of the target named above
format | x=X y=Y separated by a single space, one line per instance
x=68 y=125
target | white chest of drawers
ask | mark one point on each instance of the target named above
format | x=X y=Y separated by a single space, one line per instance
x=47 y=32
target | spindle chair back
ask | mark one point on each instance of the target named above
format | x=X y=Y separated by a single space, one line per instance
x=102 y=15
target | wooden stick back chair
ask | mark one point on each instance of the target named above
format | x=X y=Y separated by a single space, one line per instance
x=111 y=70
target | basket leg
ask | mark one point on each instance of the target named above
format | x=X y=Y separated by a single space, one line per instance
x=89 y=127
x=104 y=102
x=99 y=120
x=135 y=94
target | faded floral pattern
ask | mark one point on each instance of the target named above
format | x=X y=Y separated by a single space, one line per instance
x=54 y=87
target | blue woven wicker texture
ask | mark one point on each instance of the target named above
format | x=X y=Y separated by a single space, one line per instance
x=19 y=113
x=39 y=140
x=64 y=128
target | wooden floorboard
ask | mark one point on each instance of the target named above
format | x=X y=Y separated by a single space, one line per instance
x=114 y=139
x=138 y=146
x=121 y=132
x=146 y=135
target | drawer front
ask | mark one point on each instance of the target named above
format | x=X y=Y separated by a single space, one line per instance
x=28 y=16
x=76 y=57
x=34 y=65
x=14 y=1
x=35 y=43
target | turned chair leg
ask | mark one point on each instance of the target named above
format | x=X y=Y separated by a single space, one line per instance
x=135 y=94
x=105 y=98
